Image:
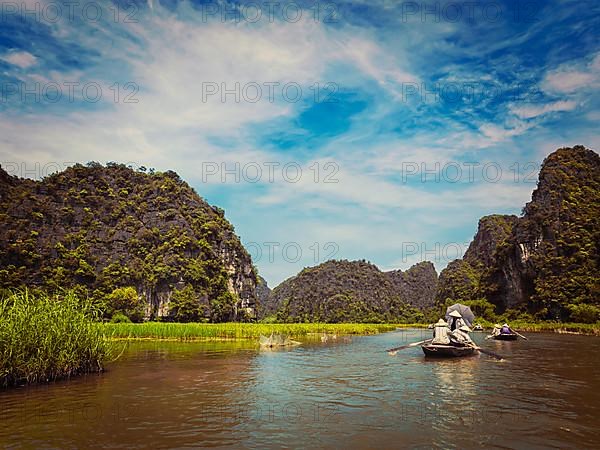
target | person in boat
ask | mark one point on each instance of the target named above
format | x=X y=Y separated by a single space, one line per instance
x=456 y=320
x=440 y=333
x=506 y=329
x=496 y=330
x=460 y=336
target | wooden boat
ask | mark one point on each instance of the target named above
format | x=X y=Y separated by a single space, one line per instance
x=447 y=351
x=506 y=337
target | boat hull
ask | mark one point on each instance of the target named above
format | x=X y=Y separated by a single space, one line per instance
x=446 y=351
x=506 y=337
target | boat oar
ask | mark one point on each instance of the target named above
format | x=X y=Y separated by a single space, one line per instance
x=520 y=335
x=489 y=353
x=393 y=351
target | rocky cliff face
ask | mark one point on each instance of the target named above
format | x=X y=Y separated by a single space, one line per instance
x=99 y=228
x=418 y=285
x=340 y=291
x=266 y=306
x=546 y=261
x=492 y=232
x=484 y=272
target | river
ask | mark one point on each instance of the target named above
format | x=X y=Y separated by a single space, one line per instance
x=347 y=393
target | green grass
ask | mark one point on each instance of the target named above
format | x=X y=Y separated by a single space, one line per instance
x=226 y=331
x=44 y=338
x=234 y=331
x=558 y=327
x=592 y=329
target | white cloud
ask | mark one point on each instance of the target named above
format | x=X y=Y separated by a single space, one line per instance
x=531 y=111
x=377 y=64
x=573 y=76
x=496 y=133
x=568 y=80
x=24 y=60
x=171 y=60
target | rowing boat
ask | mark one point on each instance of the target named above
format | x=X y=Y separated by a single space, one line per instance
x=506 y=337
x=447 y=351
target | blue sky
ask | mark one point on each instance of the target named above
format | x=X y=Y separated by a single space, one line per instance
x=380 y=130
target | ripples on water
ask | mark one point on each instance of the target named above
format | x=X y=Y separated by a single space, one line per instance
x=332 y=395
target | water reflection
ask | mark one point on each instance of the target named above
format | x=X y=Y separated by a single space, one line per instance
x=326 y=395
x=151 y=395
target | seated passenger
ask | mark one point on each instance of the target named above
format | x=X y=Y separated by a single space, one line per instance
x=496 y=330
x=461 y=336
x=506 y=329
x=440 y=333
x=457 y=320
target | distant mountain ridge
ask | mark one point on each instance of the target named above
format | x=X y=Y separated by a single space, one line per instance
x=417 y=285
x=346 y=291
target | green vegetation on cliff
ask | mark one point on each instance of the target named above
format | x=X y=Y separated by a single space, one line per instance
x=561 y=227
x=109 y=232
x=341 y=291
x=266 y=305
x=417 y=285
x=546 y=264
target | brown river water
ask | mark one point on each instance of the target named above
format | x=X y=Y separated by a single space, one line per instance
x=346 y=394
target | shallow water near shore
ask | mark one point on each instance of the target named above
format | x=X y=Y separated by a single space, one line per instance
x=346 y=393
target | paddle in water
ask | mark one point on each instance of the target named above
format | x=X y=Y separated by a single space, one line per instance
x=489 y=353
x=520 y=335
x=393 y=351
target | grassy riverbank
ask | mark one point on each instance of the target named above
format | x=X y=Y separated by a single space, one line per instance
x=226 y=331
x=238 y=331
x=44 y=338
x=591 y=329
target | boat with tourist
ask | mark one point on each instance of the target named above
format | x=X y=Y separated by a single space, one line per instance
x=447 y=351
x=450 y=344
x=450 y=340
x=504 y=333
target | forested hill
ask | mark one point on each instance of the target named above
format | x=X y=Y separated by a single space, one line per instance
x=547 y=262
x=351 y=291
x=145 y=244
x=417 y=285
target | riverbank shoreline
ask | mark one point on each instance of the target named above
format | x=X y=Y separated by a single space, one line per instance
x=234 y=331
x=208 y=332
x=566 y=328
x=585 y=329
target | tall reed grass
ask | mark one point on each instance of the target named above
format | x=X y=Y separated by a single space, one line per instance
x=44 y=338
x=225 y=331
